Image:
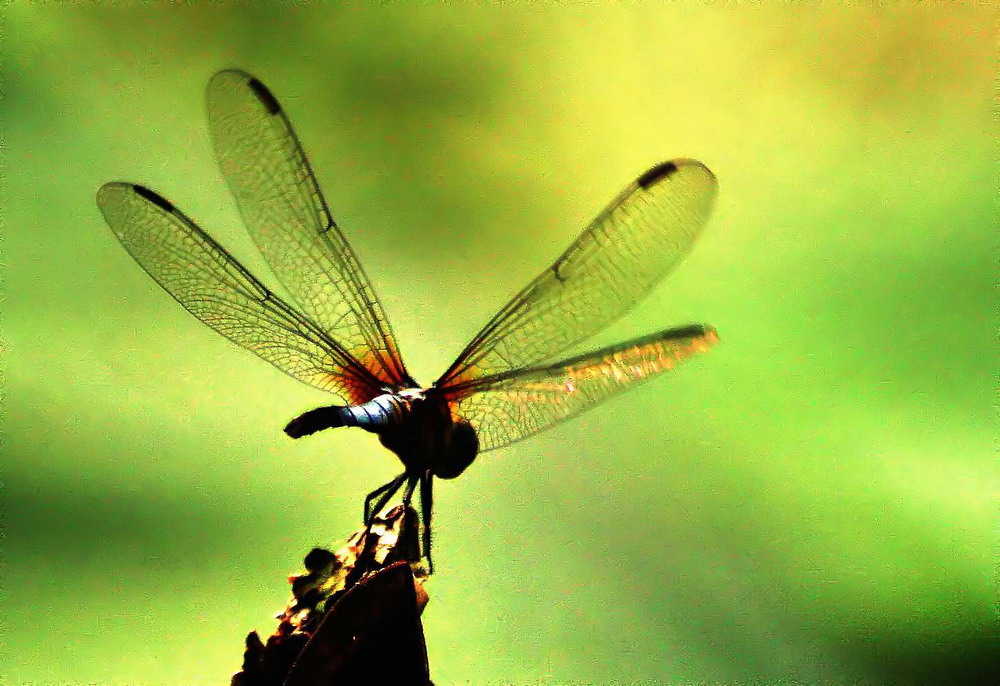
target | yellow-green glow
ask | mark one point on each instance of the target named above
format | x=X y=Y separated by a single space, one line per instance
x=811 y=501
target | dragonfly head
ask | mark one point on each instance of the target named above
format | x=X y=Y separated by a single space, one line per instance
x=462 y=447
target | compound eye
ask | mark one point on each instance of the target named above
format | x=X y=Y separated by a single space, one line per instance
x=463 y=445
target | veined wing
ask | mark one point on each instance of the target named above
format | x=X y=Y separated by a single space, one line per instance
x=219 y=291
x=288 y=219
x=511 y=406
x=614 y=263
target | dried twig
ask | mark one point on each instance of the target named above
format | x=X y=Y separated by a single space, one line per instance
x=354 y=616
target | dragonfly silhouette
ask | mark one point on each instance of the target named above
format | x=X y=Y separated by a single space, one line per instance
x=503 y=387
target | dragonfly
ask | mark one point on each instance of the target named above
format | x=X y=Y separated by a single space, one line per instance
x=513 y=380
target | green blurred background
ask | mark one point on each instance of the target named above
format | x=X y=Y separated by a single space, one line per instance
x=812 y=501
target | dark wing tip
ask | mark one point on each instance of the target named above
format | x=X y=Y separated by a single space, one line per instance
x=153 y=197
x=658 y=172
x=692 y=331
x=265 y=96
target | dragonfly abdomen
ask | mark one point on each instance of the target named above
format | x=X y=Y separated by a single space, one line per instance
x=376 y=415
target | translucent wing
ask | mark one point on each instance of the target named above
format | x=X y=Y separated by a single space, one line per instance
x=614 y=263
x=288 y=219
x=219 y=291
x=511 y=406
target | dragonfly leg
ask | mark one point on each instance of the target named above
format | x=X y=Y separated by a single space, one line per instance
x=408 y=493
x=383 y=493
x=426 y=507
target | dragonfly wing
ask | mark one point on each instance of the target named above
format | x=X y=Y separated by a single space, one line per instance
x=219 y=291
x=511 y=406
x=287 y=217
x=614 y=263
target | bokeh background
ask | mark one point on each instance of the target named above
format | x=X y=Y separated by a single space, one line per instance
x=812 y=501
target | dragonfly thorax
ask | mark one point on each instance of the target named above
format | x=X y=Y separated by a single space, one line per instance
x=427 y=438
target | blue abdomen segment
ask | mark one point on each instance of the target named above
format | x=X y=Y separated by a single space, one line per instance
x=378 y=413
